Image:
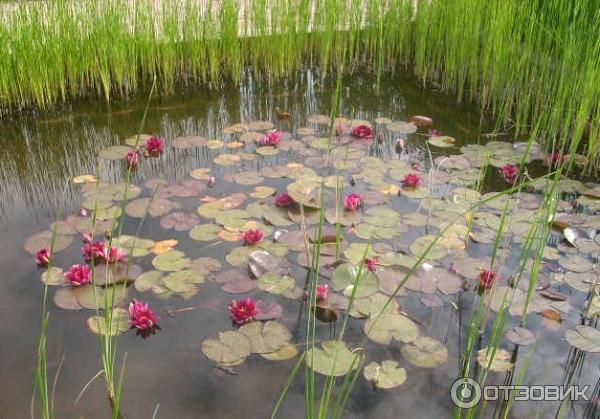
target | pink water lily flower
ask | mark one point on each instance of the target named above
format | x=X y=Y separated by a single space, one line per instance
x=486 y=278
x=132 y=158
x=362 y=131
x=412 y=180
x=155 y=146
x=43 y=257
x=284 y=200
x=400 y=144
x=115 y=255
x=142 y=318
x=372 y=263
x=434 y=133
x=555 y=158
x=211 y=181
x=243 y=311
x=253 y=236
x=78 y=275
x=322 y=291
x=83 y=212
x=87 y=237
x=353 y=201
x=509 y=172
x=272 y=138
x=93 y=251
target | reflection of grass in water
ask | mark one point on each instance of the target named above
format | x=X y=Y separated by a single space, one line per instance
x=529 y=63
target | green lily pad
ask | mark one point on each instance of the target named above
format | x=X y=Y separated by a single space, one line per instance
x=344 y=277
x=234 y=218
x=134 y=246
x=425 y=352
x=275 y=284
x=53 y=276
x=147 y=280
x=442 y=141
x=585 y=338
x=239 y=255
x=227 y=159
x=420 y=245
x=267 y=150
x=119 y=323
x=116 y=152
x=230 y=349
x=205 y=232
x=334 y=359
x=356 y=252
x=173 y=260
x=387 y=326
x=44 y=239
x=156 y=207
x=374 y=304
x=266 y=338
x=287 y=351
x=387 y=375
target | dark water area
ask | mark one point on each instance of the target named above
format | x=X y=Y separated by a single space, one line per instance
x=167 y=375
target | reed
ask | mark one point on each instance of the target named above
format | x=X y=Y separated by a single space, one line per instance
x=531 y=63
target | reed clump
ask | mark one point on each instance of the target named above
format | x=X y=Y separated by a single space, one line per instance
x=532 y=63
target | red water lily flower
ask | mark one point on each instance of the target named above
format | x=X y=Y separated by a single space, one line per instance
x=555 y=158
x=115 y=255
x=93 y=250
x=132 y=158
x=322 y=291
x=43 y=257
x=142 y=318
x=272 y=138
x=412 y=180
x=253 y=237
x=372 y=263
x=78 y=275
x=362 y=131
x=284 y=200
x=243 y=311
x=155 y=146
x=509 y=172
x=211 y=181
x=486 y=278
x=353 y=202
x=434 y=133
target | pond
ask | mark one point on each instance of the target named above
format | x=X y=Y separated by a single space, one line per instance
x=191 y=207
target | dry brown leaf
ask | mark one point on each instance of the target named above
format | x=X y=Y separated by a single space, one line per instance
x=164 y=246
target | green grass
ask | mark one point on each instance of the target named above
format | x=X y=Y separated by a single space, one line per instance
x=528 y=63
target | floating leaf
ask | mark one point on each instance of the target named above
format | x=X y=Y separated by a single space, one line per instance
x=266 y=337
x=499 y=363
x=334 y=359
x=116 y=152
x=164 y=246
x=180 y=221
x=425 y=352
x=345 y=276
x=205 y=232
x=575 y=263
x=53 y=276
x=585 y=338
x=441 y=141
x=261 y=262
x=57 y=243
x=173 y=260
x=156 y=207
x=85 y=179
x=119 y=323
x=147 y=280
x=230 y=349
x=520 y=336
x=387 y=375
x=287 y=351
x=275 y=284
x=387 y=326
x=420 y=246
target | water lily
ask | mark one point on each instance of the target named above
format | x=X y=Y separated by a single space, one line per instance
x=132 y=158
x=353 y=201
x=142 y=318
x=362 y=131
x=273 y=138
x=211 y=181
x=43 y=257
x=284 y=200
x=509 y=172
x=486 y=278
x=155 y=146
x=253 y=236
x=243 y=311
x=372 y=263
x=434 y=133
x=115 y=255
x=400 y=144
x=83 y=212
x=87 y=237
x=555 y=158
x=93 y=251
x=412 y=180
x=78 y=275
x=322 y=291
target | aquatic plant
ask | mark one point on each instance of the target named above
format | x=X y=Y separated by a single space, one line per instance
x=243 y=311
x=362 y=131
x=412 y=180
x=79 y=275
x=353 y=201
x=284 y=200
x=372 y=263
x=155 y=146
x=253 y=237
x=272 y=139
x=142 y=318
x=322 y=291
x=43 y=257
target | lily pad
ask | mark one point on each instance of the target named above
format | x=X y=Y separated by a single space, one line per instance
x=585 y=338
x=174 y=260
x=205 y=232
x=387 y=326
x=53 y=276
x=520 y=336
x=119 y=323
x=441 y=141
x=266 y=337
x=425 y=352
x=345 y=276
x=334 y=359
x=45 y=239
x=387 y=375
x=499 y=363
x=230 y=349
x=156 y=207
x=116 y=152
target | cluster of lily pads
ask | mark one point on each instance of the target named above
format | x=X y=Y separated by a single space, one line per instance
x=389 y=209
